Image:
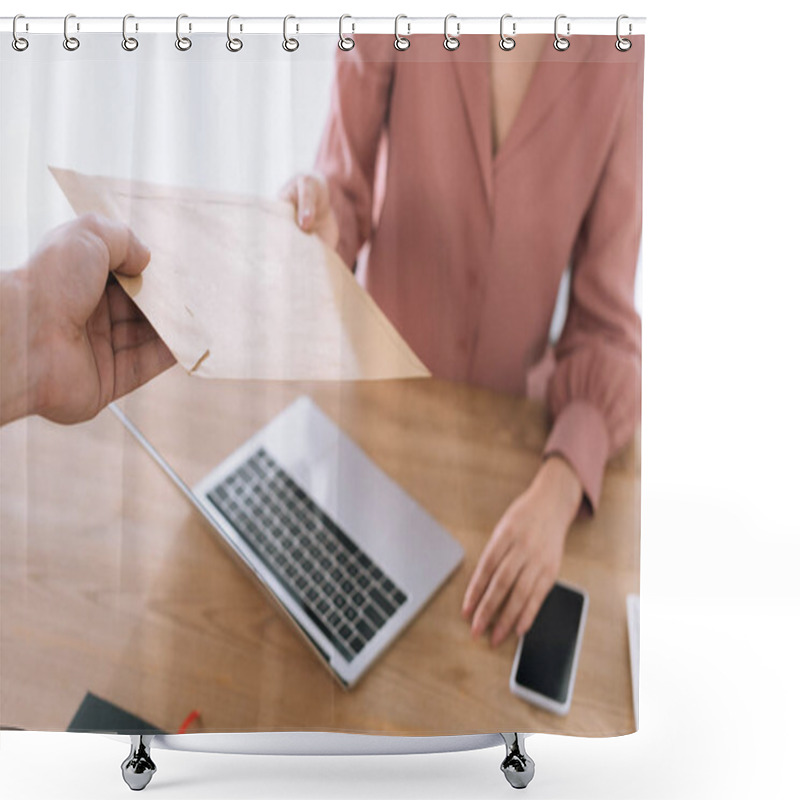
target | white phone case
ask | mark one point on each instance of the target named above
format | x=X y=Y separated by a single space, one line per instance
x=548 y=703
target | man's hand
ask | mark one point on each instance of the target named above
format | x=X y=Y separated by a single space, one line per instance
x=71 y=340
x=519 y=565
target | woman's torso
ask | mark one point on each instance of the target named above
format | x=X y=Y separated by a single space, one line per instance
x=473 y=231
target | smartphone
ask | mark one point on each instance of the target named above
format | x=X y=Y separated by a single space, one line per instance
x=547 y=655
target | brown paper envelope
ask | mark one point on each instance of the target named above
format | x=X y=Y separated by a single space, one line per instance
x=237 y=290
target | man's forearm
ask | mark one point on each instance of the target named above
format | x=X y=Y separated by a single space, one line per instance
x=17 y=367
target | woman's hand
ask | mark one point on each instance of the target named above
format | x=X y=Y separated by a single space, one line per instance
x=519 y=565
x=310 y=197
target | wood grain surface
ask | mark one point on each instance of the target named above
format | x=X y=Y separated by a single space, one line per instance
x=112 y=583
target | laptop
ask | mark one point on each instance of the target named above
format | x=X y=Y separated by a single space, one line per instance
x=348 y=554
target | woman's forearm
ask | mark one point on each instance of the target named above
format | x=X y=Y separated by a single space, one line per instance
x=557 y=485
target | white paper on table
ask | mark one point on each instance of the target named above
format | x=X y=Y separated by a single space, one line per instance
x=632 y=606
x=236 y=290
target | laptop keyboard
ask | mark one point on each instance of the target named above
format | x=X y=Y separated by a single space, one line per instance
x=348 y=596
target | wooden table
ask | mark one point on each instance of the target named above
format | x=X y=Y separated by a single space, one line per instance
x=112 y=583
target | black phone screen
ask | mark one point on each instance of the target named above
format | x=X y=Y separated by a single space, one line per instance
x=548 y=649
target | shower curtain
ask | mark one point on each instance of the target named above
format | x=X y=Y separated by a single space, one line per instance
x=434 y=251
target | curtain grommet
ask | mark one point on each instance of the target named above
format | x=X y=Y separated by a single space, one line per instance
x=233 y=44
x=289 y=44
x=129 y=43
x=71 y=43
x=622 y=44
x=507 y=42
x=561 y=43
x=451 y=42
x=19 y=43
x=346 y=43
x=183 y=43
x=401 y=43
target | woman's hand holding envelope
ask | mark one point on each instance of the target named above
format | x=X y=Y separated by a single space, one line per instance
x=310 y=196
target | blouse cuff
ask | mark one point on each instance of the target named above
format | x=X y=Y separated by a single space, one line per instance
x=580 y=436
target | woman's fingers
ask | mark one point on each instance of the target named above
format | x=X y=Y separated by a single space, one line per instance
x=291 y=194
x=499 y=586
x=306 y=194
x=306 y=203
x=487 y=564
x=514 y=605
x=543 y=585
x=310 y=197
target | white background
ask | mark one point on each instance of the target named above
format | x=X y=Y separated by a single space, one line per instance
x=720 y=697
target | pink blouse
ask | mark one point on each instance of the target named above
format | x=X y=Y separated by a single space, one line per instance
x=465 y=249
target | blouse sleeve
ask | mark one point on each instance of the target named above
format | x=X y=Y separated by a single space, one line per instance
x=594 y=395
x=349 y=149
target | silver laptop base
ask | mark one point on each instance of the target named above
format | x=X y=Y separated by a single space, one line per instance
x=139 y=768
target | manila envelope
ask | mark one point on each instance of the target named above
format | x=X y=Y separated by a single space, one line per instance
x=236 y=290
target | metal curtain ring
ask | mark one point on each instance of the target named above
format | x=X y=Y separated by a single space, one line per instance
x=289 y=44
x=18 y=42
x=70 y=42
x=400 y=42
x=623 y=45
x=561 y=44
x=451 y=42
x=128 y=42
x=507 y=42
x=182 y=42
x=346 y=42
x=233 y=44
